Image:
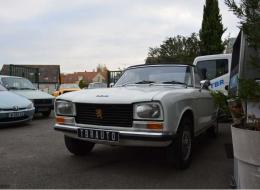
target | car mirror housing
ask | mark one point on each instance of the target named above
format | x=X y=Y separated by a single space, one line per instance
x=205 y=84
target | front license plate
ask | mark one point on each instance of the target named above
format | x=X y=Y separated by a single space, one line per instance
x=98 y=135
x=16 y=114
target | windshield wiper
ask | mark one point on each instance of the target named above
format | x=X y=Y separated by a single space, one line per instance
x=27 y=88
x=175 y=82
x=140 y=82
x=12 y=88
x=145 y=82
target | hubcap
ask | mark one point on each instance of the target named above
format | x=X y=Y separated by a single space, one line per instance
x=186 y=145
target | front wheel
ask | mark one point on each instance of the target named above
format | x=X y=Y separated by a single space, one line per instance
x=182 y=147
x=78 y=147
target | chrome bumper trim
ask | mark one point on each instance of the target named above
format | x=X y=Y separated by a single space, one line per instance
x=124 y=134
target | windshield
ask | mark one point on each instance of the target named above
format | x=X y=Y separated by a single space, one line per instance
x=157 y=75
x=12 y=83
x=2 y=88
x=69 y=86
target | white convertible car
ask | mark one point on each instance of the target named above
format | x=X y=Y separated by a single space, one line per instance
x=163 y=105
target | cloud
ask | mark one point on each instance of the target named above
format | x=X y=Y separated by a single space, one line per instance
x=81 y=34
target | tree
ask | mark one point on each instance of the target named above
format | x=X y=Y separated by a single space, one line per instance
x=82 y=84
x=212 y=30
x=248 y=11
x=178 y=49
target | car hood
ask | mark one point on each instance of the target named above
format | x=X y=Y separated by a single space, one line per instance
x=120 y=95
x=33 y=94
x=9 y=100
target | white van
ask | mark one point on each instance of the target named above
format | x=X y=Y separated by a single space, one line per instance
x=215 y=68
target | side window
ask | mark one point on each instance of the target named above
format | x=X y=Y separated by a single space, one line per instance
x=211 y=69
x=197 y=77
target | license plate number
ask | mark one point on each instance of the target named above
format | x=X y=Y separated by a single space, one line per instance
x=14 y=115
x=96 y=134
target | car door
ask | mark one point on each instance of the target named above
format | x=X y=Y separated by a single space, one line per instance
x=205 y=107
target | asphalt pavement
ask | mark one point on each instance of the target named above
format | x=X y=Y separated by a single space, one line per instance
x=34 y=156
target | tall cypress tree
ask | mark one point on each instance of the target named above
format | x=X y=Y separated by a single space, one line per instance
x=212 y=29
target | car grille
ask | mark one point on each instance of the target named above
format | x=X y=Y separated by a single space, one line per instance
x=13 y=119
x=12 y=109
x=120 y=115
x=42 y=101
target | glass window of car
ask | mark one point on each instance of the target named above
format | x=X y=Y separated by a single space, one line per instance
x=156 y=74
x=211 y=69
x=15 y=83
x=2 y=88
x=69 y=86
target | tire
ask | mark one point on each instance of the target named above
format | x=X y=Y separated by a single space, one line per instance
x=78 y=147
x=182 y=146
x=213 y=131
x=46 y=113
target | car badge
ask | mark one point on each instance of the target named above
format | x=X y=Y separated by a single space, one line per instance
x=99 y=113
x=102 y=96
x=15 y=108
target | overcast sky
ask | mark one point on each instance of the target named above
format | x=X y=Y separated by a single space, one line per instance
x=80 y=34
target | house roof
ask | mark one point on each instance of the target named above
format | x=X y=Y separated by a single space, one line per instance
x=47 y=73
x=86 y=76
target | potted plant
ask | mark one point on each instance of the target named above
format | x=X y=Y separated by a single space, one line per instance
x=245 y=106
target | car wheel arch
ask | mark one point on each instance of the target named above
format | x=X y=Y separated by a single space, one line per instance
x=186 y=113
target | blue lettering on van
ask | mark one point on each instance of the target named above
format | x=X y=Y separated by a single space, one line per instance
x=217 y=84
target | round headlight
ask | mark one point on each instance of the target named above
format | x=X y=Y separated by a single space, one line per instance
x=64 y=108
x=148 y=111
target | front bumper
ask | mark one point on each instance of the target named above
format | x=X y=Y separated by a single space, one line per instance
x=127 y=138
x=5 y=120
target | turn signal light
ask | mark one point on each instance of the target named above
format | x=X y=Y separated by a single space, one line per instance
x=60 y=120
x=154 y=126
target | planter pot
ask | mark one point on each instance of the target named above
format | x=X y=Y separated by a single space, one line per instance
x=246 y=145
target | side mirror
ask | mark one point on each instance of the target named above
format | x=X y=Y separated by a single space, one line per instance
x=204 y=84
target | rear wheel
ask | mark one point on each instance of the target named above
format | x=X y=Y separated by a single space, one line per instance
x=181 y=149
x=213 y=131
x=78 y=147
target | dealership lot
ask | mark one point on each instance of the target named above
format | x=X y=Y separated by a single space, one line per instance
x=34 y=156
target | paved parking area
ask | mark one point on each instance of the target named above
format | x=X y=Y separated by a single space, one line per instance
x=34 y=156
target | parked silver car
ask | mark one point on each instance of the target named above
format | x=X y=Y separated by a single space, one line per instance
x=150 y=105
x=42 y=101
x=14 y=108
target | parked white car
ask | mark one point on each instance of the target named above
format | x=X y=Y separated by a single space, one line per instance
x=42 y=101
x=14 y=109
x=150 y=105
